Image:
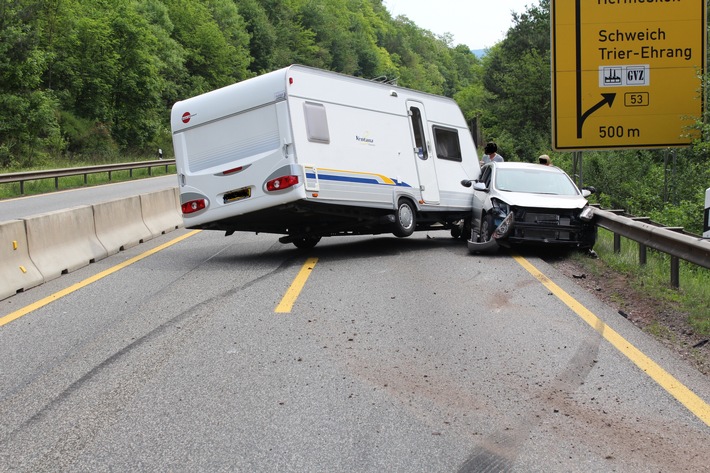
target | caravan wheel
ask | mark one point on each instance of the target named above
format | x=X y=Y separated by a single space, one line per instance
x=405 y=220
x=306 y=242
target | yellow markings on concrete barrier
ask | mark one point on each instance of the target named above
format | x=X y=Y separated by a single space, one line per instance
x=75 y=287
x=293 y=292
x=14 y=245
x=674 y=387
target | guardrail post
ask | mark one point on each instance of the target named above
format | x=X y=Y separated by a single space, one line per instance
x=642 y=253
x=675 y=272
x=617 y=243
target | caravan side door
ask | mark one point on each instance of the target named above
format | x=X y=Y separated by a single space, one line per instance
x=423 y=153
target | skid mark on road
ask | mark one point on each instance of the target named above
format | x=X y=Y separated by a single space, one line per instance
x=499 y=450
x=674 y=387
x=75 y=287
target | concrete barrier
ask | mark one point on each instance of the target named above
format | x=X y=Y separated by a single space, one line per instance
x=63 y=241
x=119 y=224
x=161 y=211
x=17 y=271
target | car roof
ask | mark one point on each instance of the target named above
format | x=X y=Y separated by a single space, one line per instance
x=517 y=165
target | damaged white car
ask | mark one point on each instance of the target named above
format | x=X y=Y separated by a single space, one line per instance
x=528 y=204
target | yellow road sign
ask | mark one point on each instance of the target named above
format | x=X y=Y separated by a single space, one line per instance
x=626 y=73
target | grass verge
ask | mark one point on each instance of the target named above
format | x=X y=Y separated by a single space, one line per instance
x=653 y=279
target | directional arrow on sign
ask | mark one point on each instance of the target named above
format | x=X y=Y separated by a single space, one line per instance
x=608 y=99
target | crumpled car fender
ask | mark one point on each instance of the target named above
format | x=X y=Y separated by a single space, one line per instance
x=492 y=245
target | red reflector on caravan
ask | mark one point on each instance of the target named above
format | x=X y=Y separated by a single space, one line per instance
x=193 y=206
x=281 y=183
x=232 y=171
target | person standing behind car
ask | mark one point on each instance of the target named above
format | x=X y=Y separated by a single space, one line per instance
x=544 y=160
x=491 y=154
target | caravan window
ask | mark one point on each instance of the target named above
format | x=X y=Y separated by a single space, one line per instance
x=316 y=122
x=447 y=144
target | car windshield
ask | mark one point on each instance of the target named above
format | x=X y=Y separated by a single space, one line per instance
x=534 y=182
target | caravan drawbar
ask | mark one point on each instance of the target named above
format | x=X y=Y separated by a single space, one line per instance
x=307 y=153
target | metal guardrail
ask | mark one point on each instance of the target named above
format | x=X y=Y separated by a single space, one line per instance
x=55 y=174
x=673 y=241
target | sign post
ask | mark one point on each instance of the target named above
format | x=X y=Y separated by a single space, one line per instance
x=706 y=224
x=627 y=73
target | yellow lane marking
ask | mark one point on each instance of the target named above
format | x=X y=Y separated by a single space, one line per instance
x=58 y=295
x=674 y=387
x=292 y=293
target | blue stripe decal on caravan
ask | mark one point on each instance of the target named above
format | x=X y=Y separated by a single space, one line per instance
x=359 y=178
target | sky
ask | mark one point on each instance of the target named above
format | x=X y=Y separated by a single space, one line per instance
x=479 y=24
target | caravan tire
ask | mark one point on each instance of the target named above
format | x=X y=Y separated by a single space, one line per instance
x=306 y=242
x=405 y=220
x=462 y=230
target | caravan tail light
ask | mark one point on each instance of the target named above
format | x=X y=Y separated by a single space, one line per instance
x=193 y=206
x=281 y=183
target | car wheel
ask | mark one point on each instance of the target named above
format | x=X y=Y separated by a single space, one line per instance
x=405 y=220
x=306 y=242
x=487 y=228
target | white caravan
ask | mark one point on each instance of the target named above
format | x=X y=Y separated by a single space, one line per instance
x=308 y=153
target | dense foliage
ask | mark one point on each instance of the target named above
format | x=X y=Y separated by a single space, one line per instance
x=97 y=77
x=91 y=79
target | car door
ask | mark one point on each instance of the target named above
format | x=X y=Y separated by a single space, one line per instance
x=480 y=196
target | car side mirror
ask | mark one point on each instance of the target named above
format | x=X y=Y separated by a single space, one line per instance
x=466 y=183
x=480 y=186
x=590 y=189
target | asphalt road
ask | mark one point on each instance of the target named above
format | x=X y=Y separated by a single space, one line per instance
x=32 y=205
x=365 y=354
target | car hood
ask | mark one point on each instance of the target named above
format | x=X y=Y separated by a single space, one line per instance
x=542 y=200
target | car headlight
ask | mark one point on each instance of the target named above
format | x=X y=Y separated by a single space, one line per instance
x=502 y=207
x=505 y=227
x=587 y=214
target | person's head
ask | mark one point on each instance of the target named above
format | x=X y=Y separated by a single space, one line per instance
x=491 y=148
x=544 y=159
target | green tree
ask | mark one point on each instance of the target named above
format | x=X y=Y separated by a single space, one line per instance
x=28 y=115
x=213 y=57
x=295 y=43
x=517 y=80
x=137 y=86
x=262 y=35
